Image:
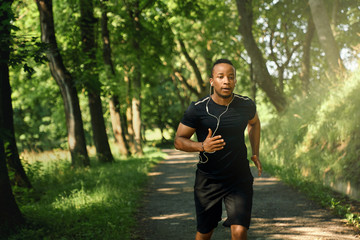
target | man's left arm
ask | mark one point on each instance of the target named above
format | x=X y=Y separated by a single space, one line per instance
x=254 y=137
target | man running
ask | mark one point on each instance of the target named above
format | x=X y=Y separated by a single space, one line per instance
x=223 y=172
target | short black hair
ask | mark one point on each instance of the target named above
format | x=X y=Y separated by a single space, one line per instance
x=221 y=60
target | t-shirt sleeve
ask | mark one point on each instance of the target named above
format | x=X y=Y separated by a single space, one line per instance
x=252 y=109
x=190 y=117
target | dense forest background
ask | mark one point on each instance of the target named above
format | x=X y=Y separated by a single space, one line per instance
x=103 y=76
x=149 y=55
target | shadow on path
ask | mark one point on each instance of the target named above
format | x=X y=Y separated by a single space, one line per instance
x=279 y=212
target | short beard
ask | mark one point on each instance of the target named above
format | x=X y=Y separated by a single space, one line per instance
x=223 y=96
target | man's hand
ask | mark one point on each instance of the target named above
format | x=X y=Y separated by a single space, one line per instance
x=212 y=144
x=257 y=162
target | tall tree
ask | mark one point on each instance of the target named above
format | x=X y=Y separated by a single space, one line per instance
x=10 y=213
x=263 y=77
x=92 y=84
x=74 y=123
x=134 y=11
x=305 y=64
x=11 y=150
x=325 y=35
x=114 y=104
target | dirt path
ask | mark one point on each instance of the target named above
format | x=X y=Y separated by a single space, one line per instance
x=279 y=212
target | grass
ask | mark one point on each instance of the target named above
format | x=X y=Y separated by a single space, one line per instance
x=316 y=143
x=340 y=204
x=98 y=202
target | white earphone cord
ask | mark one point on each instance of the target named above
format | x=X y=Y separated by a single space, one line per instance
x=217 y=125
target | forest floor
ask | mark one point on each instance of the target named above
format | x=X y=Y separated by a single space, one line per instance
x=279 y=211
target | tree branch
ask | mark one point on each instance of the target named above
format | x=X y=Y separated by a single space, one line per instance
x=184 y=81
x=193 y=65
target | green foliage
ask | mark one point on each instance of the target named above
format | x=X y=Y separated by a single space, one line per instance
x=317 y=141
x=92 y=203
x=209 y=30
x=163 y=110
x=6 y=18
x=319 y=134
x=66 y=20
x=25 y=50
x=39 y=118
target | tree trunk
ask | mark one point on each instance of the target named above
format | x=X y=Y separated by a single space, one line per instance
x=130 y=130
x=137 y=124
x=101 y=142
x=136 y=107
x=305 y=65
x=106 y=38
x=10 y=214
x=74 y=123
x=136 y=88
x=87 y=28
x=12 y=153
x=263 y=77
x=129 y=133
x=325 y=35
x=116 y=124
x=11 y=150
x=334 y=13
x=114 y=104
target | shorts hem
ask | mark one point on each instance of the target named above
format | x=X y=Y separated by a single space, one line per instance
x=227 y=224
x=206 y=230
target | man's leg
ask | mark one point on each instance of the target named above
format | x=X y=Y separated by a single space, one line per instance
x=238 y=205
x=202 y=236
x=238 y=232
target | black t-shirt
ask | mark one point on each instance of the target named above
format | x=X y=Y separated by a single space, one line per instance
x=230 y=162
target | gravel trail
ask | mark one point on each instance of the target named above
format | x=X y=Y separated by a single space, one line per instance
x=279 y=212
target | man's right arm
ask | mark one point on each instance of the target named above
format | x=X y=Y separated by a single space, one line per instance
x=182 y=139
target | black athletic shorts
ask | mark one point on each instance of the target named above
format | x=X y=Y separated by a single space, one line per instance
x=209 y=194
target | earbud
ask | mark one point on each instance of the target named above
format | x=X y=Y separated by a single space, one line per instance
x=201 y=161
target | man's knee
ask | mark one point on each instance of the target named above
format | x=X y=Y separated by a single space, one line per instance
x=203 y=236
x=238 y=232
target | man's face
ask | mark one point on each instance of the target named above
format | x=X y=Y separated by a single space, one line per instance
x=223 y=80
